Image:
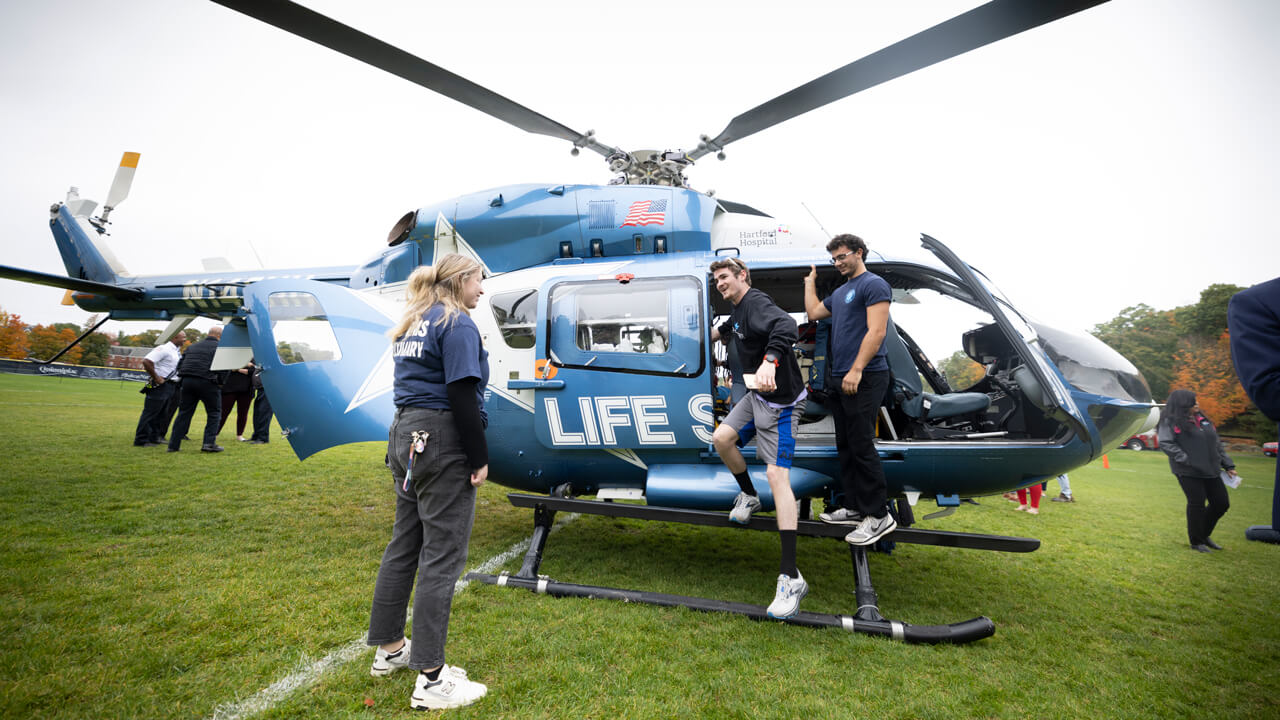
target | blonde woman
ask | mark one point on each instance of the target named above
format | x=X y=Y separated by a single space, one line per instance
x=437 y=454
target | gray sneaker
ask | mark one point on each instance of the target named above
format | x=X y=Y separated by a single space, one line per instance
x=743 y=506
x=786 y=602
x=385 y=663
x=871 y=529
x=841 y=516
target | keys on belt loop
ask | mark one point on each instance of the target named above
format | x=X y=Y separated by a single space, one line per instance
x=417 y=444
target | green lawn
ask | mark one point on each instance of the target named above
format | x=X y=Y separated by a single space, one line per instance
x=141 y=584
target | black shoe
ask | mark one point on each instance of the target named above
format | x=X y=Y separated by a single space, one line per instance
x=257 y=442
x=1201 y=548
x=173 y=449
x=139 y=444
x=1213 y=545
x=212 y=448
x=153 y=443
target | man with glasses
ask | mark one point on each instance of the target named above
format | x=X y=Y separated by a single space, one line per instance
x=763 y=335
x=859 y=312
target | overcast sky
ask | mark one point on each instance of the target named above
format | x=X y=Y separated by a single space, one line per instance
x=1124 y=155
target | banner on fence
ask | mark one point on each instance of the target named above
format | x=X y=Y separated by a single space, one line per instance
x=27 y=367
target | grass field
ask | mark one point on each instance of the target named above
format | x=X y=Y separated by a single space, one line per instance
x=141 y=584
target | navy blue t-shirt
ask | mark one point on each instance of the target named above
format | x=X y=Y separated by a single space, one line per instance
x=430 y=355
x=848 y=306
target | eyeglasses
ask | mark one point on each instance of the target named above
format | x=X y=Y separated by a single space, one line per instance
x=837 y=258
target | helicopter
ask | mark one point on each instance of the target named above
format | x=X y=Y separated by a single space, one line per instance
x=598 y=311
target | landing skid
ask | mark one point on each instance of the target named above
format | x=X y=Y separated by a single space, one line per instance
x=867 y=618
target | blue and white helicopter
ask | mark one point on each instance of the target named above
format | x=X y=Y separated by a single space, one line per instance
x=597 y=314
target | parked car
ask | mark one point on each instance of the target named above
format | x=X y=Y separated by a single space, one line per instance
x=1142 y=441
x=1269 y=449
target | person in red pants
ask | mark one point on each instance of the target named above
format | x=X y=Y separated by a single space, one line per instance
x=1036 y=491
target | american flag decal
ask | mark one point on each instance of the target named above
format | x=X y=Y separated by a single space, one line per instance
x=646 y=212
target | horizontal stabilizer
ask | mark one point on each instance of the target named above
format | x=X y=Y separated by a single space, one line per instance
x=62 y=281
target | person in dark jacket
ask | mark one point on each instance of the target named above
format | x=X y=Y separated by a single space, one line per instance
x=763 y=335
x=1196 y=457
x=1253 y=317
x=261 y=410
x=199 y=386
x=237 y=392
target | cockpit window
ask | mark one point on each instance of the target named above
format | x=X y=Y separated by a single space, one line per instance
x=1093 y=366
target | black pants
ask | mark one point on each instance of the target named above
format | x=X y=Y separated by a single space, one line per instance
x=261 y=417
x=150 y=427
x=861 y=477
x=197 y=390
x=240 y=401
x=1201 y=520
x=171 y=407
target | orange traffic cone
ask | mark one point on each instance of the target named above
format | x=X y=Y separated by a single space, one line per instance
x=1105 y=465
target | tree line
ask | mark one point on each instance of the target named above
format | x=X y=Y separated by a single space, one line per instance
x=21 y=341
x=1184 y=348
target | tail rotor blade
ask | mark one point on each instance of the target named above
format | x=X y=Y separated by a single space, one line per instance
x=120 y=186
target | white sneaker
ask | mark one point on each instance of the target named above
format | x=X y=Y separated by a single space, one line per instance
x=385 y=663
x=743 y=506
x=841 y=516
x=786 y=602
x=242 y=438
x=452 y=689
x=871 y=529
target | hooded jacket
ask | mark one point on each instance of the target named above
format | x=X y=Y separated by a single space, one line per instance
x=1197 y=452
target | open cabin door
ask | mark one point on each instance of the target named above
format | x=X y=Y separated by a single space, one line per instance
x=1054 y=395
x=326 y=361
x=622 y=363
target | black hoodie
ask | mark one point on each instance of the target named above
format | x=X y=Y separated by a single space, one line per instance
x=758 y=326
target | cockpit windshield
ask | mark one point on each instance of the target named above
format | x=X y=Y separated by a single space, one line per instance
x=1093 y=366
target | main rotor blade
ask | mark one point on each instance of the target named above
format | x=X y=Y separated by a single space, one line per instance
x=322 y=30
x=981 y=26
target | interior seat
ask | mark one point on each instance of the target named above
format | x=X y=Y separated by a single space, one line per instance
x=908 y=390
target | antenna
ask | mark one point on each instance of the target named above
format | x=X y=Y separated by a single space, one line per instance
x=815 y=219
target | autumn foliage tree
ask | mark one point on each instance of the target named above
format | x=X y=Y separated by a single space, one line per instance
x=13 y=336
x=46 y=340
x=1205 y=369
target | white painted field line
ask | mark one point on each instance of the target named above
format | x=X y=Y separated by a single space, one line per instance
x=307 y=672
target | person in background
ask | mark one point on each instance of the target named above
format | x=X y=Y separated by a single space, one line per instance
x=1036 y=491
x=1064 y=487
x=237 y=392
x=763 y=335
x=261 y=410
x=1196 y=457
x=161 y=365
x=1253 y=319
x=437 y=455
x=199 y=386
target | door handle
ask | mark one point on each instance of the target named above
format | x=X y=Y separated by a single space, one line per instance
x=535 y=384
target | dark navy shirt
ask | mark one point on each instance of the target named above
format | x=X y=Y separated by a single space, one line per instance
x=430 y=355
x=848 y=306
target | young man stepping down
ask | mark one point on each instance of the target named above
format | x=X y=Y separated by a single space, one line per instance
x=763 y=335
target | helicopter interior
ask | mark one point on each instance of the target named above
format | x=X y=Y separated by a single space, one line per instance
x=1004 y=402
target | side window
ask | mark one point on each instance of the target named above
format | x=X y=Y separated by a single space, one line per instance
x=650 y=325
x=301 y=328
x=516 y=314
